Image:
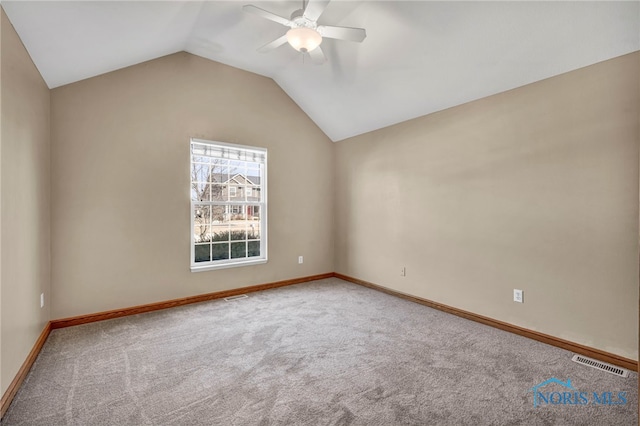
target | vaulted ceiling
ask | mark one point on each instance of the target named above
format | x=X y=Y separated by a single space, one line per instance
x=418 y=57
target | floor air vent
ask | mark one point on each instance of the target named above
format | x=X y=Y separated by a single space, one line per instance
x=240 y=296
x=600 y=365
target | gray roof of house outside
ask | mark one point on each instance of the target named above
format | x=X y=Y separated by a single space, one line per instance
x=224 y=178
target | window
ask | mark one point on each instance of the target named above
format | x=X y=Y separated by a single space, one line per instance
x=248 y=191
x=227 y=227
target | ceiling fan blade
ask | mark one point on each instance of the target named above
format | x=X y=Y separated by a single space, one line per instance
x=317 y=56
x=249 y=8
x=274 y=44
x=342 y=33
x=314 y=9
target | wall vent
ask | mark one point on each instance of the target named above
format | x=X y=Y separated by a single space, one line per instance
x=231 y=298
x=618 y=371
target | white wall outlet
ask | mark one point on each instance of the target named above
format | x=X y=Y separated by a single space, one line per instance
x=403 y=272
x=518 y=296
x=42 y=300
x=300 y=259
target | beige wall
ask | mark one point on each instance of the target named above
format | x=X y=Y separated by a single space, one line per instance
x=25 y=195
x=120 y=182
x=535 y=189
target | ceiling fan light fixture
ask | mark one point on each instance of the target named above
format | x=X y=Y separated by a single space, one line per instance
x=304 y=39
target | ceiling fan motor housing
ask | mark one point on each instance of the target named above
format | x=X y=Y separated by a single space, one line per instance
x=297 y=17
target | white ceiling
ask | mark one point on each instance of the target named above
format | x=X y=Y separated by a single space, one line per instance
x=419 y=56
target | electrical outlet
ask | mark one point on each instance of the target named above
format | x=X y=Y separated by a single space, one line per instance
x=518 y=296
x=42 y=300
x=403 y=272
x=300 y=259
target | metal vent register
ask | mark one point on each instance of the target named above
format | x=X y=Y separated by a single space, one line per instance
x=589 y=362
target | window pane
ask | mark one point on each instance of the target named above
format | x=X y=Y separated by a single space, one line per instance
x=237 y=167
x=256 y=230
x=237 y=215
x=238 y=224
x=253 y=224
x=201 y=221
x=253 y=171
x=199 y=191
x=217 y=215
x=202 y=234
x=219 y=174
x=253 y=213
x=238 y=233
x=254 y=248
x=219 y=167
x=220 y=228
x=218 y=193
x=253 y=230
x=202 y=252
x=220 y=236
x=201 y=215
x=238 y=250
x=199 y=172
x=220 y=177
x=220 y=251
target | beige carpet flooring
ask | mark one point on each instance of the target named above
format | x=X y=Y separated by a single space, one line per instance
x=321 y=353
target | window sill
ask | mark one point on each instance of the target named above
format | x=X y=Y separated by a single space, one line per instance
x=227 y=265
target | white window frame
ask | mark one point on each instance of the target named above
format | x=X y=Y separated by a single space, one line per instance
x=233 y=191
x=248 y=191
x=262 y=203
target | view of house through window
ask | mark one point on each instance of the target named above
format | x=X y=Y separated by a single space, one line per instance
x=228 y=204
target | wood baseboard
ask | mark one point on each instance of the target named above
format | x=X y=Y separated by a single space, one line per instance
x=11 y=391
x=134 y=310
x=541 y=337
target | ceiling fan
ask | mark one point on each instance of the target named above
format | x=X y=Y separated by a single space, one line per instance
x=305 y=35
